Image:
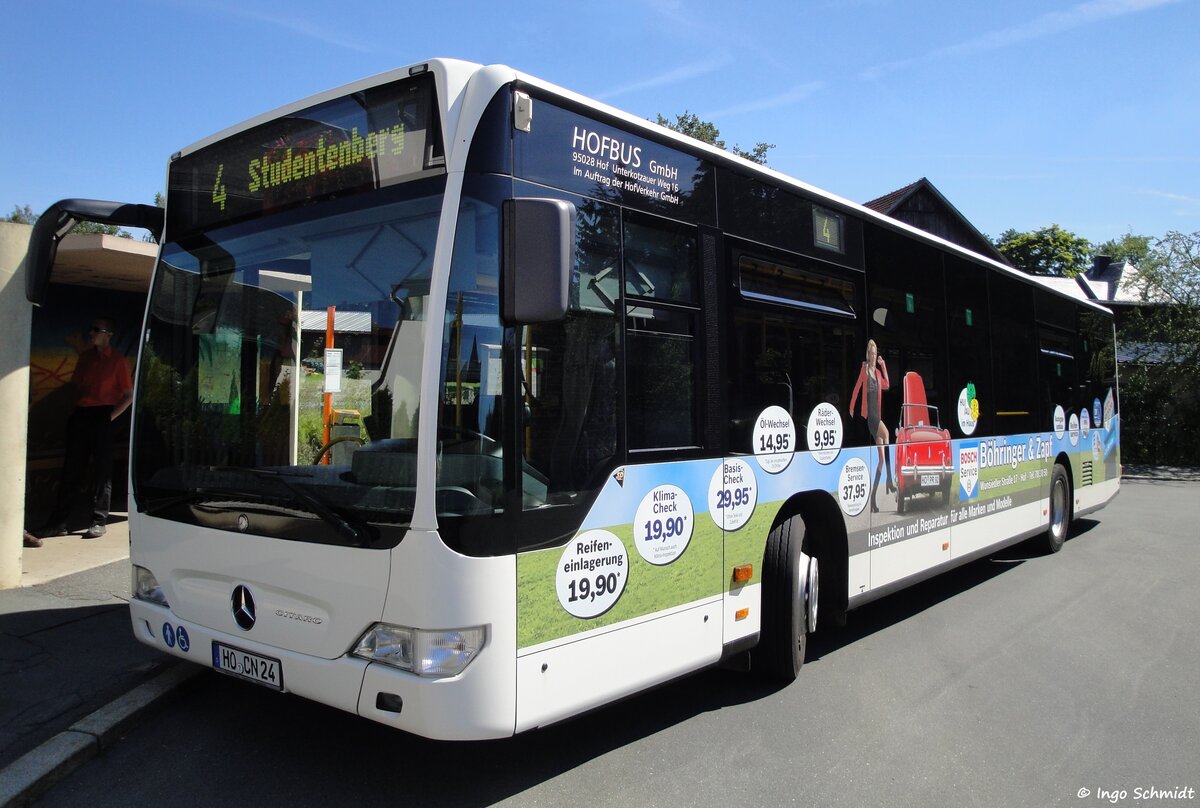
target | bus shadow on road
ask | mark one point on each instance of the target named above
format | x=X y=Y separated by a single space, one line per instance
x=900 y=606
x=907 y=603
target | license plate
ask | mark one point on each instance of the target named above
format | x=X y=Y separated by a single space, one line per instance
x=930 y=480
x=256 y=668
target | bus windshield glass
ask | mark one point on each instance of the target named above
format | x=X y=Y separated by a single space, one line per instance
x=231 y=431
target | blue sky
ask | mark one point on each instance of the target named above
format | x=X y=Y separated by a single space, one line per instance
x=1085 y=114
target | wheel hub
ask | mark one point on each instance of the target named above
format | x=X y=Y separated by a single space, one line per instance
x=812 y=579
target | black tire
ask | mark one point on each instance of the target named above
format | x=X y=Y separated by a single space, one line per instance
x=784 y=634
x=1060 y=509
x=901 y=502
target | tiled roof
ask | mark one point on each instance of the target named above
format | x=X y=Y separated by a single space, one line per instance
x=889 y=202
x=892 y=205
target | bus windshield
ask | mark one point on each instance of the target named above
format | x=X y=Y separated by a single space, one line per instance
x=230 y=430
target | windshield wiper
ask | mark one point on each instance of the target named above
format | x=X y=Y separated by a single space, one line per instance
x=357 y=535
x=197 y=494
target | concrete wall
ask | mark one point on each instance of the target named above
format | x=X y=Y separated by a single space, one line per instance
x=16 y=316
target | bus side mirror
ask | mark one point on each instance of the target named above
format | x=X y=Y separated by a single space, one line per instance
x=539 y=240
x=58 y=220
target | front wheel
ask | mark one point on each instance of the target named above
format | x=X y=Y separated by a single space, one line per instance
x=789 y=602
x=1060 y=509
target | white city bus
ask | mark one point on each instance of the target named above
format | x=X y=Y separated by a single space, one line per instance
x=607 y=429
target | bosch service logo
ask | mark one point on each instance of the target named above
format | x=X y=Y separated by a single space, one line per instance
x=968 y=470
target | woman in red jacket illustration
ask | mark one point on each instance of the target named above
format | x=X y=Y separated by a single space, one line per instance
x=872 y=381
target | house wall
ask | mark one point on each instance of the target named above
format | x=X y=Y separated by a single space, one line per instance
x=923 y=211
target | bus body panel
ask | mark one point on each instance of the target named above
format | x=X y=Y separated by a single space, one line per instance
x=314 y=599
x=435 y=588
x=1093 y=497
x=584 y=673
x=743 y=617
x=478 y=704
x=970 y=537
x=895 y=561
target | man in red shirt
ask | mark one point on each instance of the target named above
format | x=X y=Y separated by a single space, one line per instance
x=105 y=389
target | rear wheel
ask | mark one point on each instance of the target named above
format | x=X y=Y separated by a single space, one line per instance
x=1060 y=509
x=790 y=595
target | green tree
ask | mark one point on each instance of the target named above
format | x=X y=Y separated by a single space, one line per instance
x=1128 y=247
x=690 y=124
x=21 y=214
x=102 y=229
x=1170 y=274
x=160 y=201
x=1160 y=377
x=1046 y=251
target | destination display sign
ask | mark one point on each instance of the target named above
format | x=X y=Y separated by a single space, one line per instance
x=827 y=229
x=591 y=158
x=357 y=143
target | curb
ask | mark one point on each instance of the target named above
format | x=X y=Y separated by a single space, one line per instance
x=33 y=773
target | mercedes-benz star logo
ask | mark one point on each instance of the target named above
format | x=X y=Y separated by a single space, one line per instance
x=242 y=604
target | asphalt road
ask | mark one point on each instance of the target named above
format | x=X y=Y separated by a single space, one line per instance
x=58 y=657
x=1019 y=680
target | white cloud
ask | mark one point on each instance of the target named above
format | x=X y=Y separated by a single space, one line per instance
x=1044 y=25
x=295 y=23
x=1191 y=200
x=798 y=93
x=673 y=76
x=1017 y=177
x=1182 y=205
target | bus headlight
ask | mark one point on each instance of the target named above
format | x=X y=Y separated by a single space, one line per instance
x=145 y=587
x=424 y=652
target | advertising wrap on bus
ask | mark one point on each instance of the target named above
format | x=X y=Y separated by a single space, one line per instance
x=653 y=540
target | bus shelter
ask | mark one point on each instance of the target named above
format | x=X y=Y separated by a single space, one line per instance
x=93 y=276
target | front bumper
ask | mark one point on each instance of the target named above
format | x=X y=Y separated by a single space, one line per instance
x=463 y=707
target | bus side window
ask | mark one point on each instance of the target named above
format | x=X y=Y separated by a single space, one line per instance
x=970 y=355
x=907 y=320
x=795 y=343
x=1014 y=356
x=569 y=373
x=662 y=313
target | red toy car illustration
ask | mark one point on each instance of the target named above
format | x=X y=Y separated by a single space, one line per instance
x=923 y=459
